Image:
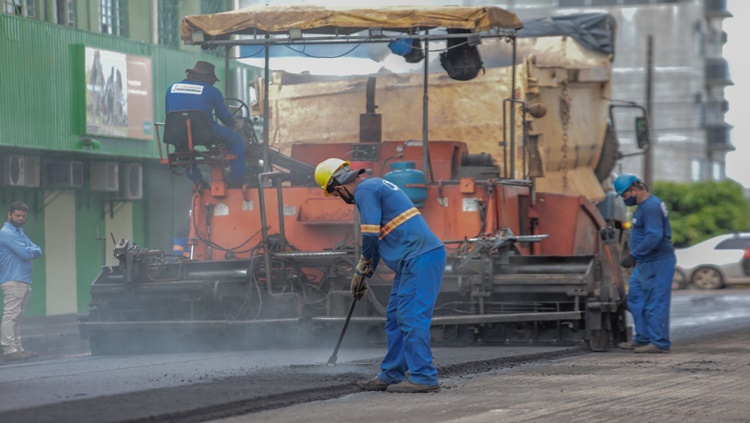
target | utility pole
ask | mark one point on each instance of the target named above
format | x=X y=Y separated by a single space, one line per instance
x=648 y=153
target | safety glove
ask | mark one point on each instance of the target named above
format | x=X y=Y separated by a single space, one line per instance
x=627 y=262
x=358 y=291
x=364 y=269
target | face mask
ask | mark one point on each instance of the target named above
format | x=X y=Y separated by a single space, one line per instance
x=631 y=201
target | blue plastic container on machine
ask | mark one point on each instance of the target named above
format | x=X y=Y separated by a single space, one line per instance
x=412 y=181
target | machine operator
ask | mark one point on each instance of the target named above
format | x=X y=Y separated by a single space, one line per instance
x=652 y=254
x=197 y=92
x=394 y=230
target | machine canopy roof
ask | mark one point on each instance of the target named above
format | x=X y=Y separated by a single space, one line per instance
x=343 y=21
x=595 y=31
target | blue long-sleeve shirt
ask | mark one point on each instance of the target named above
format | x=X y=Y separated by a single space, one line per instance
x=392 y=228
x=194 y=95
x=16 y=253
x=651 y=236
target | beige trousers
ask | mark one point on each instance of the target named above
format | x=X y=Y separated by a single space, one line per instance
x=16 y=296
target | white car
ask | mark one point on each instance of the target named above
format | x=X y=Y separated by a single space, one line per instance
x=714 y=263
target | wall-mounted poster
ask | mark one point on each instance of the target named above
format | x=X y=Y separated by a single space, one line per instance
x=119 y=94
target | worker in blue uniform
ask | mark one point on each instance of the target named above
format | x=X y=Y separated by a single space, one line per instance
x=197 y=92
x=393 y=230
x=181 y=244
x=653 y=258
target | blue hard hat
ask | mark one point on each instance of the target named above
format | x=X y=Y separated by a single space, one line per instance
x=623 y=182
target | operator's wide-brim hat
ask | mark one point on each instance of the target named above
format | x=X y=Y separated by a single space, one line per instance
x=203 y=68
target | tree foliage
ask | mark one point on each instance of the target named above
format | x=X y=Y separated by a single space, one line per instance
x=701 y=210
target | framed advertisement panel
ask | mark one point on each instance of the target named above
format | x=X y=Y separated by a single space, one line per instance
x=119 y=94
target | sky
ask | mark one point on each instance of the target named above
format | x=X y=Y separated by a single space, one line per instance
x=738 y=95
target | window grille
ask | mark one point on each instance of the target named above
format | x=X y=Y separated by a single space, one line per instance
x=105 y=16
x=113 y=17
x=66 y=12
x=169 y=22
x=209 y=7
x=20 y=8
x=122 y=18
x=213 y=6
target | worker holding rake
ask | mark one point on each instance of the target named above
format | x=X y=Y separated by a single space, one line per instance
x=393 y=230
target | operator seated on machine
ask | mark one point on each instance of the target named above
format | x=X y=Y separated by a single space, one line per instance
x=197 y=92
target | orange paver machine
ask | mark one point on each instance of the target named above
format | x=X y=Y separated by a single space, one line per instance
x=273 y=259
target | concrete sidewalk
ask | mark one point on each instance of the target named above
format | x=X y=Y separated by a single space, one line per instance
x=52 y=336
x=698 y=382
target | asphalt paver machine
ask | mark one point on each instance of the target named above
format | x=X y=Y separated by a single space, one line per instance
x=272 y=260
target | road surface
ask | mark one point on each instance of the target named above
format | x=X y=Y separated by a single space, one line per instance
x=276 y=385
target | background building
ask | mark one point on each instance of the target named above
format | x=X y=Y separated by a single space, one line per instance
x=689 y=133
x=83 y=86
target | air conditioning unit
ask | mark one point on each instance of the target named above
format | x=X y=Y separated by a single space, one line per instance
x=131 y=182
x=19 y=170
x=105 y=177
x=63 y=174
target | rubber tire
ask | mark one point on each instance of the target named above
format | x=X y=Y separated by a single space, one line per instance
x=679 y=280
x=707 y=278
x=610 y=155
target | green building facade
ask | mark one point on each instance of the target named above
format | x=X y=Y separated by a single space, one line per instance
x=90 y=176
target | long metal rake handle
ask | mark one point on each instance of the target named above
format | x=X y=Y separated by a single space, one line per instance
x=334 y=356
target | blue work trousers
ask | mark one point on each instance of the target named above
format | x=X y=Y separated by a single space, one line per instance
x=408 y=318
x=649 y=298
x=235 y=145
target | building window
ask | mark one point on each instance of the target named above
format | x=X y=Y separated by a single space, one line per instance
x=699 y=110
x=717 y=171
x=169 y=22
x=113 y=17
x=66 y=12
x=213 y=6
x=699 y=40
x=210 y=7
x=105 y=16
x=572 y=3
x=20 y=8
x=695 y=170
x=122 y=17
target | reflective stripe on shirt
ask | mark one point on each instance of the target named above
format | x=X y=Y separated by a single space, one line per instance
x=370 y=229
x=396 y=221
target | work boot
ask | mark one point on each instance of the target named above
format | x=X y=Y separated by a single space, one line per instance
x=650 y=348
x=15 y=356
x=630 y=345
x=31 y=354
x=411 y=387
x=235 y=184
x=374 y=384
